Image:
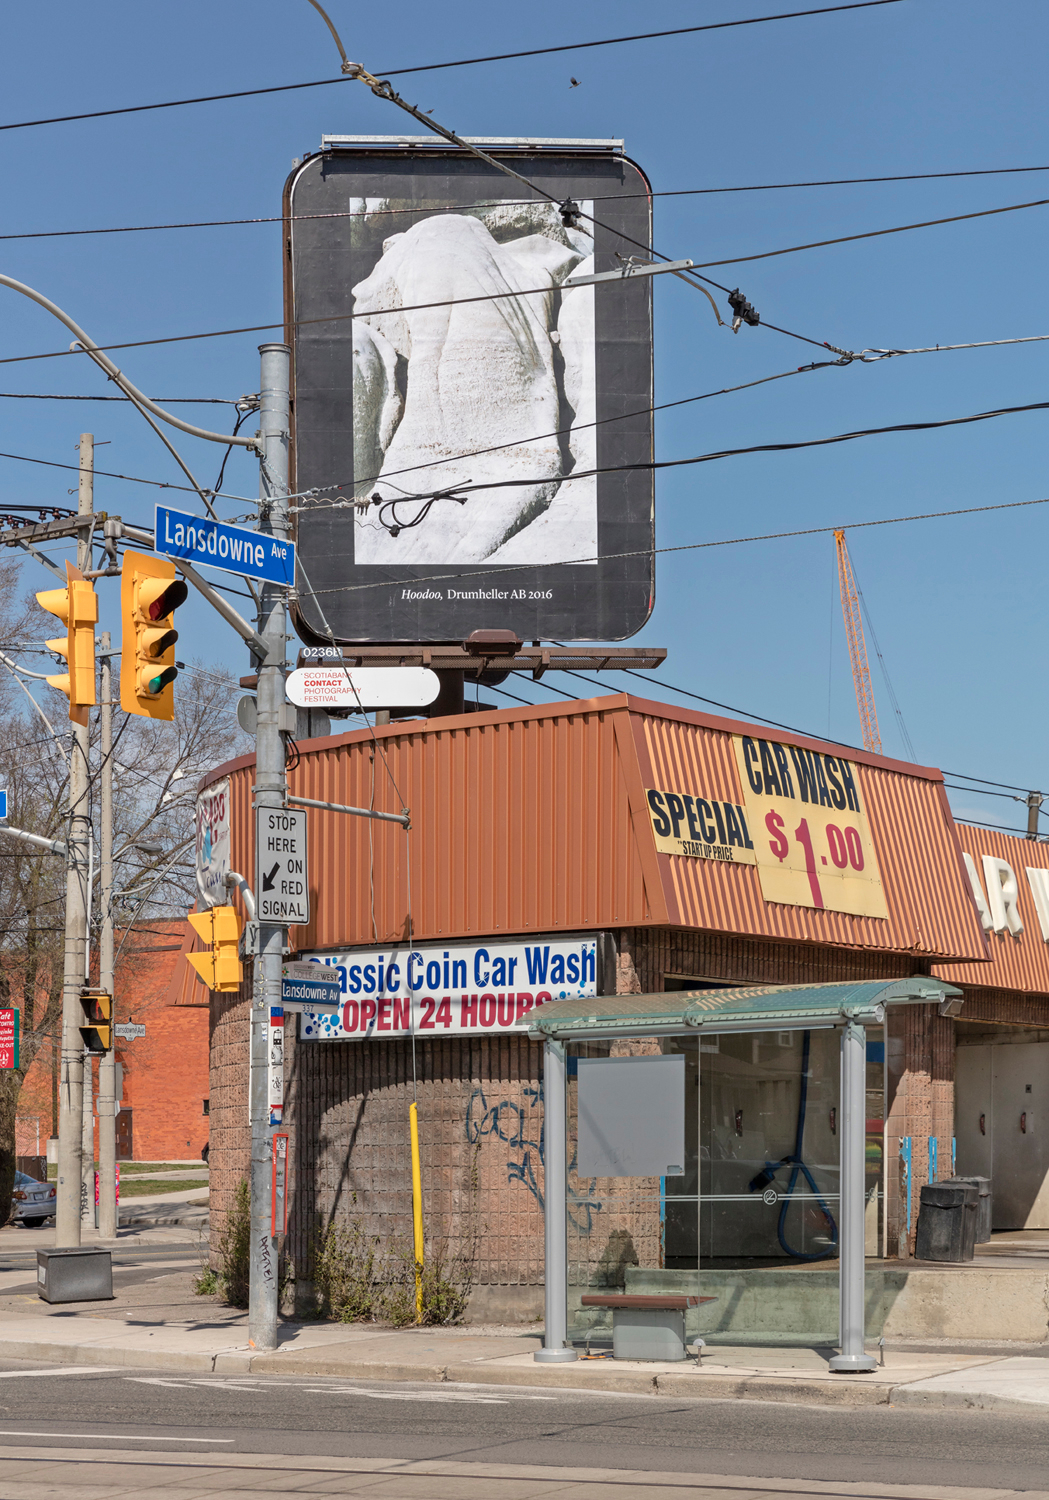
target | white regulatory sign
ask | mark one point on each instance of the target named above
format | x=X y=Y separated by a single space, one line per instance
x=282 y=893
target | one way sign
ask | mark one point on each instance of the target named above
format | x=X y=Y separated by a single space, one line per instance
x=282 y=891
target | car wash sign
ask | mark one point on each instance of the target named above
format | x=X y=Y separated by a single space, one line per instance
x=435 y=990
x=812 y=842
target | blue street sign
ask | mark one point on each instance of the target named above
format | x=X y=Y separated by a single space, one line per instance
x=324 y=994
x=3 y=804
x=213 y=544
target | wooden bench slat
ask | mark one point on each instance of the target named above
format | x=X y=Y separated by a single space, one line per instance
x=667 y=1302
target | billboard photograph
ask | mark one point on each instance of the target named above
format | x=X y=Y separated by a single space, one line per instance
x=438 y=348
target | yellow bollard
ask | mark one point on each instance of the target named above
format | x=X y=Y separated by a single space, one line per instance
x=417 y=1210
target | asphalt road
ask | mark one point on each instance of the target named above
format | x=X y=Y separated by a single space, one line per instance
x=65 y=1407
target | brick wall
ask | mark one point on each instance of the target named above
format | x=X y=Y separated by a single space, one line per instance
x=480 y=1113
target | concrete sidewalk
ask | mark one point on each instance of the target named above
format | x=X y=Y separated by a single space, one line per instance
x=160 y=1323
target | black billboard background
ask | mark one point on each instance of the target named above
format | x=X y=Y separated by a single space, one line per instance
x=608 y=601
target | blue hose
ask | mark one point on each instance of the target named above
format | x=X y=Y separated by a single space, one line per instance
x=797 y=1166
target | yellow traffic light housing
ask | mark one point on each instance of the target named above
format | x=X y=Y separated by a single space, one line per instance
x=149 y=595
x=97 y=1032
x=77 y=607
x=219 y=966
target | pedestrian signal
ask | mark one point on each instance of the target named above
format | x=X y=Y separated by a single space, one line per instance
x=219 y=965
x=97 y=1030
x=77 y=607
x=149 y=595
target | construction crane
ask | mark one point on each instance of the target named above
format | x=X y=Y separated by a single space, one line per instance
x=861 y=672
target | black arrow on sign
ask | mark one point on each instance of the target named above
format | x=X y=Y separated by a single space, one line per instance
x=267 y=880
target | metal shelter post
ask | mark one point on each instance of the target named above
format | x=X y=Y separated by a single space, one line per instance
x=851 y=1205
x=555 y=1206
x=270 y=791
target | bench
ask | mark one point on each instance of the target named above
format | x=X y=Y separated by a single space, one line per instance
x=646 y=1325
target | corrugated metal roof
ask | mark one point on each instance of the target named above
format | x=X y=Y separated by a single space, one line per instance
x=1021 y=962
x=535 y=819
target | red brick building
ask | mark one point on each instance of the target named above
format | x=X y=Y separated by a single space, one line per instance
x=165 y=1097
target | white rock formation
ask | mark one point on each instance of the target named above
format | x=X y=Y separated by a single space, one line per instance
x=480 y=374
x=377 y=404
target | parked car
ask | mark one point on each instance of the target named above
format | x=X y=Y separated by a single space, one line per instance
x=33 y=1202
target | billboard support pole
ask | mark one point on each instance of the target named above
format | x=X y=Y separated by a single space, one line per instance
x=270 y=791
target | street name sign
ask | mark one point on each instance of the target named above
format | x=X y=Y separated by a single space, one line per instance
x=337 y=686
x=129 y=1030
x=213 y=544
x=311 y=986
x=282 y=894
x=3 y=803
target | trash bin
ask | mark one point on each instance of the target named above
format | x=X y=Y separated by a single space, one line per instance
x=983 y=1208
x=74 y=1275
x=947 y=1221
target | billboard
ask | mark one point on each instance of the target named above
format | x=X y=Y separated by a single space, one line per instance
x=436 y=344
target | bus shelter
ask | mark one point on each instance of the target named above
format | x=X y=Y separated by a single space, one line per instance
x=710 y=1149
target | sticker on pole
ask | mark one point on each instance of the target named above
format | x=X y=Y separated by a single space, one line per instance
x=9 y=1019
x=213 y=544
x=282 y=895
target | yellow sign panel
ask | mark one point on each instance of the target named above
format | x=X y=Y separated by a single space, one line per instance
x=700 y=827
x=811 y=837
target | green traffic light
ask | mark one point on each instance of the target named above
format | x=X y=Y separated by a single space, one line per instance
x=158 y=684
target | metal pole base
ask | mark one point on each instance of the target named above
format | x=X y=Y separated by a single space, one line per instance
x=853 y=1364
x=554 y=1356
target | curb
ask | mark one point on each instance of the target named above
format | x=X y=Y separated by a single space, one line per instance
x=914 y=1396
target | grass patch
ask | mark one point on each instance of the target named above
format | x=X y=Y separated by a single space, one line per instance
x=143 y=1187
x=133 y=1168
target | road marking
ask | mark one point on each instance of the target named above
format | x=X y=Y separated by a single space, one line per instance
x=257 y=1384
x=58 y=1370
x=123 y=1437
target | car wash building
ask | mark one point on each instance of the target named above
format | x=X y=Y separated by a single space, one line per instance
x=609 y=847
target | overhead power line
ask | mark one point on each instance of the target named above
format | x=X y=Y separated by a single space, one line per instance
x=162 y=400
x=462 y=62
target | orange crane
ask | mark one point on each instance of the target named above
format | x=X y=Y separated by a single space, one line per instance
x=861 y=672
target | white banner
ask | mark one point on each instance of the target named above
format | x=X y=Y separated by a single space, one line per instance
x=213 y=843
x=437 y=990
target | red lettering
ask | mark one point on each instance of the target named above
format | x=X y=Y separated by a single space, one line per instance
x=852 y=838
x=383 y=1023
x=444 y=1011
x=426 y=1024
x=488 y=1003
x=525 y=1001
x=506 y=1010
x=836 y=842
x=542 y=997
x=350 y=1016
x=367 y=1013
x=469 y=1011
x=401 y=1008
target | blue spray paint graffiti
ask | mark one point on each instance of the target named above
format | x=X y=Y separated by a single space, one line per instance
x=507 y=1121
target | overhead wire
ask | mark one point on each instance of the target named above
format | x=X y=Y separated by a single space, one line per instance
x=462 y=62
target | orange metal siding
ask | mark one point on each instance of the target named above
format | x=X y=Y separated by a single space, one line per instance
x=535 y=819
x=1017 y=963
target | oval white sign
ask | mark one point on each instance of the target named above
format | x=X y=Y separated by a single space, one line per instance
x=363 y=687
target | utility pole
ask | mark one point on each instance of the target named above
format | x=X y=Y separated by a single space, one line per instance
x=71 y=1101
x=1034 y=803
x=107 y=1065
x=270 y=792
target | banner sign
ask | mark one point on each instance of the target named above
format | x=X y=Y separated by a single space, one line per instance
x=435 y=990
x=812 y=842
x=700 y=827
x=213 y=843
x=439 y=344
x=9 y=1038
x=213 y=544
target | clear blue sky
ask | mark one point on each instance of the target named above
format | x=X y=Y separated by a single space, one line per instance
x=921 y=86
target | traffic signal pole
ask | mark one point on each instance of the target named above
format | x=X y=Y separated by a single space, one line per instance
x=270 y=792
x=71 y=1084
x=107 y=1063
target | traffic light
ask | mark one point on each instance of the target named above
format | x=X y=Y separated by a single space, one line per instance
x=97 y=1006
x=77 y=607
x=149 y=595
x=220 y=966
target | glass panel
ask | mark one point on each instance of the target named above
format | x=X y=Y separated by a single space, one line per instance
x=752 y=1222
